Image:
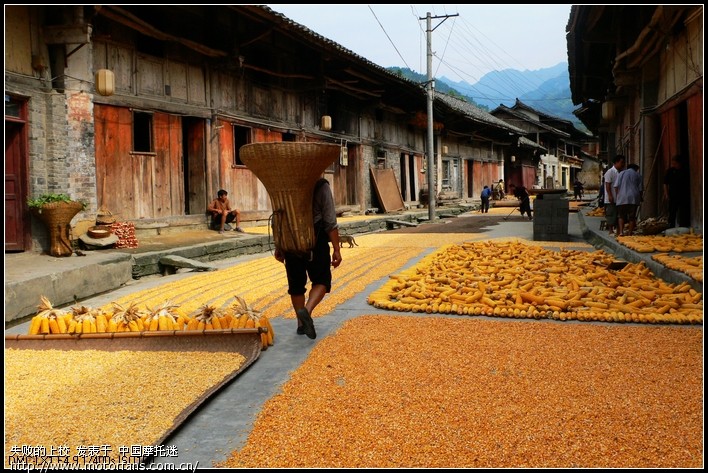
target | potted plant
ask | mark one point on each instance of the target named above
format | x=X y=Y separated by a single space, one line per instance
x=56 y=211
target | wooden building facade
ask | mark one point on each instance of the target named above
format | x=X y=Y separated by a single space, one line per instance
x=636 y=74
x=142 y=110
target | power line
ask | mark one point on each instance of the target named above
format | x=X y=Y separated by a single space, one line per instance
x=389 y=38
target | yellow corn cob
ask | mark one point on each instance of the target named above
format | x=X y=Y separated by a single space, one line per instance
x=44 y=327
x=101 y=323
x=53 y=326
x=72 y=327
x=62 y=324
x=112 y=326
x=271 y=333
x=216 y=323
x=36 y=325
x=154 y=324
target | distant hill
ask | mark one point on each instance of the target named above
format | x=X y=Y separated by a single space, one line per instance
x=547 y=90
x=440 y=85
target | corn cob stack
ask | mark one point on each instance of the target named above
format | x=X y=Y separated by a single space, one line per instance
x=126 y=319
x=207 y=317
x=243 y=316
x=48 y=319
x=83 y=320
x=164 y=317
x=131 y=318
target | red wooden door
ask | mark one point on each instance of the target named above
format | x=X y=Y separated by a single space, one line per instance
x=14 y=185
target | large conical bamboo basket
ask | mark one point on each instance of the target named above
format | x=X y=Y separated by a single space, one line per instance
x=57 y=216
x=289 y=171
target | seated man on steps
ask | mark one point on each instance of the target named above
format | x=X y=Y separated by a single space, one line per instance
x=222 y=213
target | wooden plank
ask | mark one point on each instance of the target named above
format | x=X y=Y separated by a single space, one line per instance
x=160 y=169
x=399 y=223
x=387 y=189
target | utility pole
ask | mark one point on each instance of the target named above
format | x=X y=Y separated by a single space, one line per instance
x=430 y=85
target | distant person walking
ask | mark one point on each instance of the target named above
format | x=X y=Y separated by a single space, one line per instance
x=524 y=197
x=499 y=190
x=578 y=189
x=485 y=196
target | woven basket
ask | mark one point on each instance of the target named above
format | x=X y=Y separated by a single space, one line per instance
x=105 y=217
x=57 y=216
x=289 y=171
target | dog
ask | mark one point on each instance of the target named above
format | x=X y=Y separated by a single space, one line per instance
x=347 y=239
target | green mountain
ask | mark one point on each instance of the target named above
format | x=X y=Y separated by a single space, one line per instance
x=547 y=90
x=440 y=84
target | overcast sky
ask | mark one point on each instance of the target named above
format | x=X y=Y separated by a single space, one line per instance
x=482 y=38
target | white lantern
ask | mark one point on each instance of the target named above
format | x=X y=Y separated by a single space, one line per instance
x=326 y=123
x=105 y=82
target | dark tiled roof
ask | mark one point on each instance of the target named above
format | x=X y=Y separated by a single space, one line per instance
x=527 y=143
x=293 y=25
x=475 y=113
x=522 y=116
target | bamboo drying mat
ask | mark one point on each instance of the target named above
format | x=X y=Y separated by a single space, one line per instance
x=246 y=341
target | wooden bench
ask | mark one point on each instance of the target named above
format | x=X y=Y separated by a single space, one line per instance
x=391 y=224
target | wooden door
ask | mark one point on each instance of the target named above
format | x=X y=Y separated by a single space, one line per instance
x=15 y=194
x=195 y=178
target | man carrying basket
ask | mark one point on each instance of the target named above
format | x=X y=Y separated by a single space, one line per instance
x=317 y=264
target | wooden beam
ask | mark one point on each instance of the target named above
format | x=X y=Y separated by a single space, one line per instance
x=126 y=18
x=350 y=88
x=277 y=74
x=77 y=34
x=360 y=75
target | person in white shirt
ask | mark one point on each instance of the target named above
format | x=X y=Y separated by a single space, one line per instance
x=629 y=190
x=610 y=178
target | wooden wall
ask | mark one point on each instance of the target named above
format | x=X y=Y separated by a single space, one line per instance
x=138 y=185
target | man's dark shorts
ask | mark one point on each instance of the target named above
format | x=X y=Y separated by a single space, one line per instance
x=298 y=268
x=627 y=212
x=611 y=214
x=216 y=220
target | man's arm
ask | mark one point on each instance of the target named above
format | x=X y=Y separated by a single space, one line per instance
x=336 y=254
x=608 y=191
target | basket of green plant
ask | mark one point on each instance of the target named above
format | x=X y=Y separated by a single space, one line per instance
x=56 y=211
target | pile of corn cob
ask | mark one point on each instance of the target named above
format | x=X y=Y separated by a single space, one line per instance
x=518 y=280
x=684 y=243
x=691 y=266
